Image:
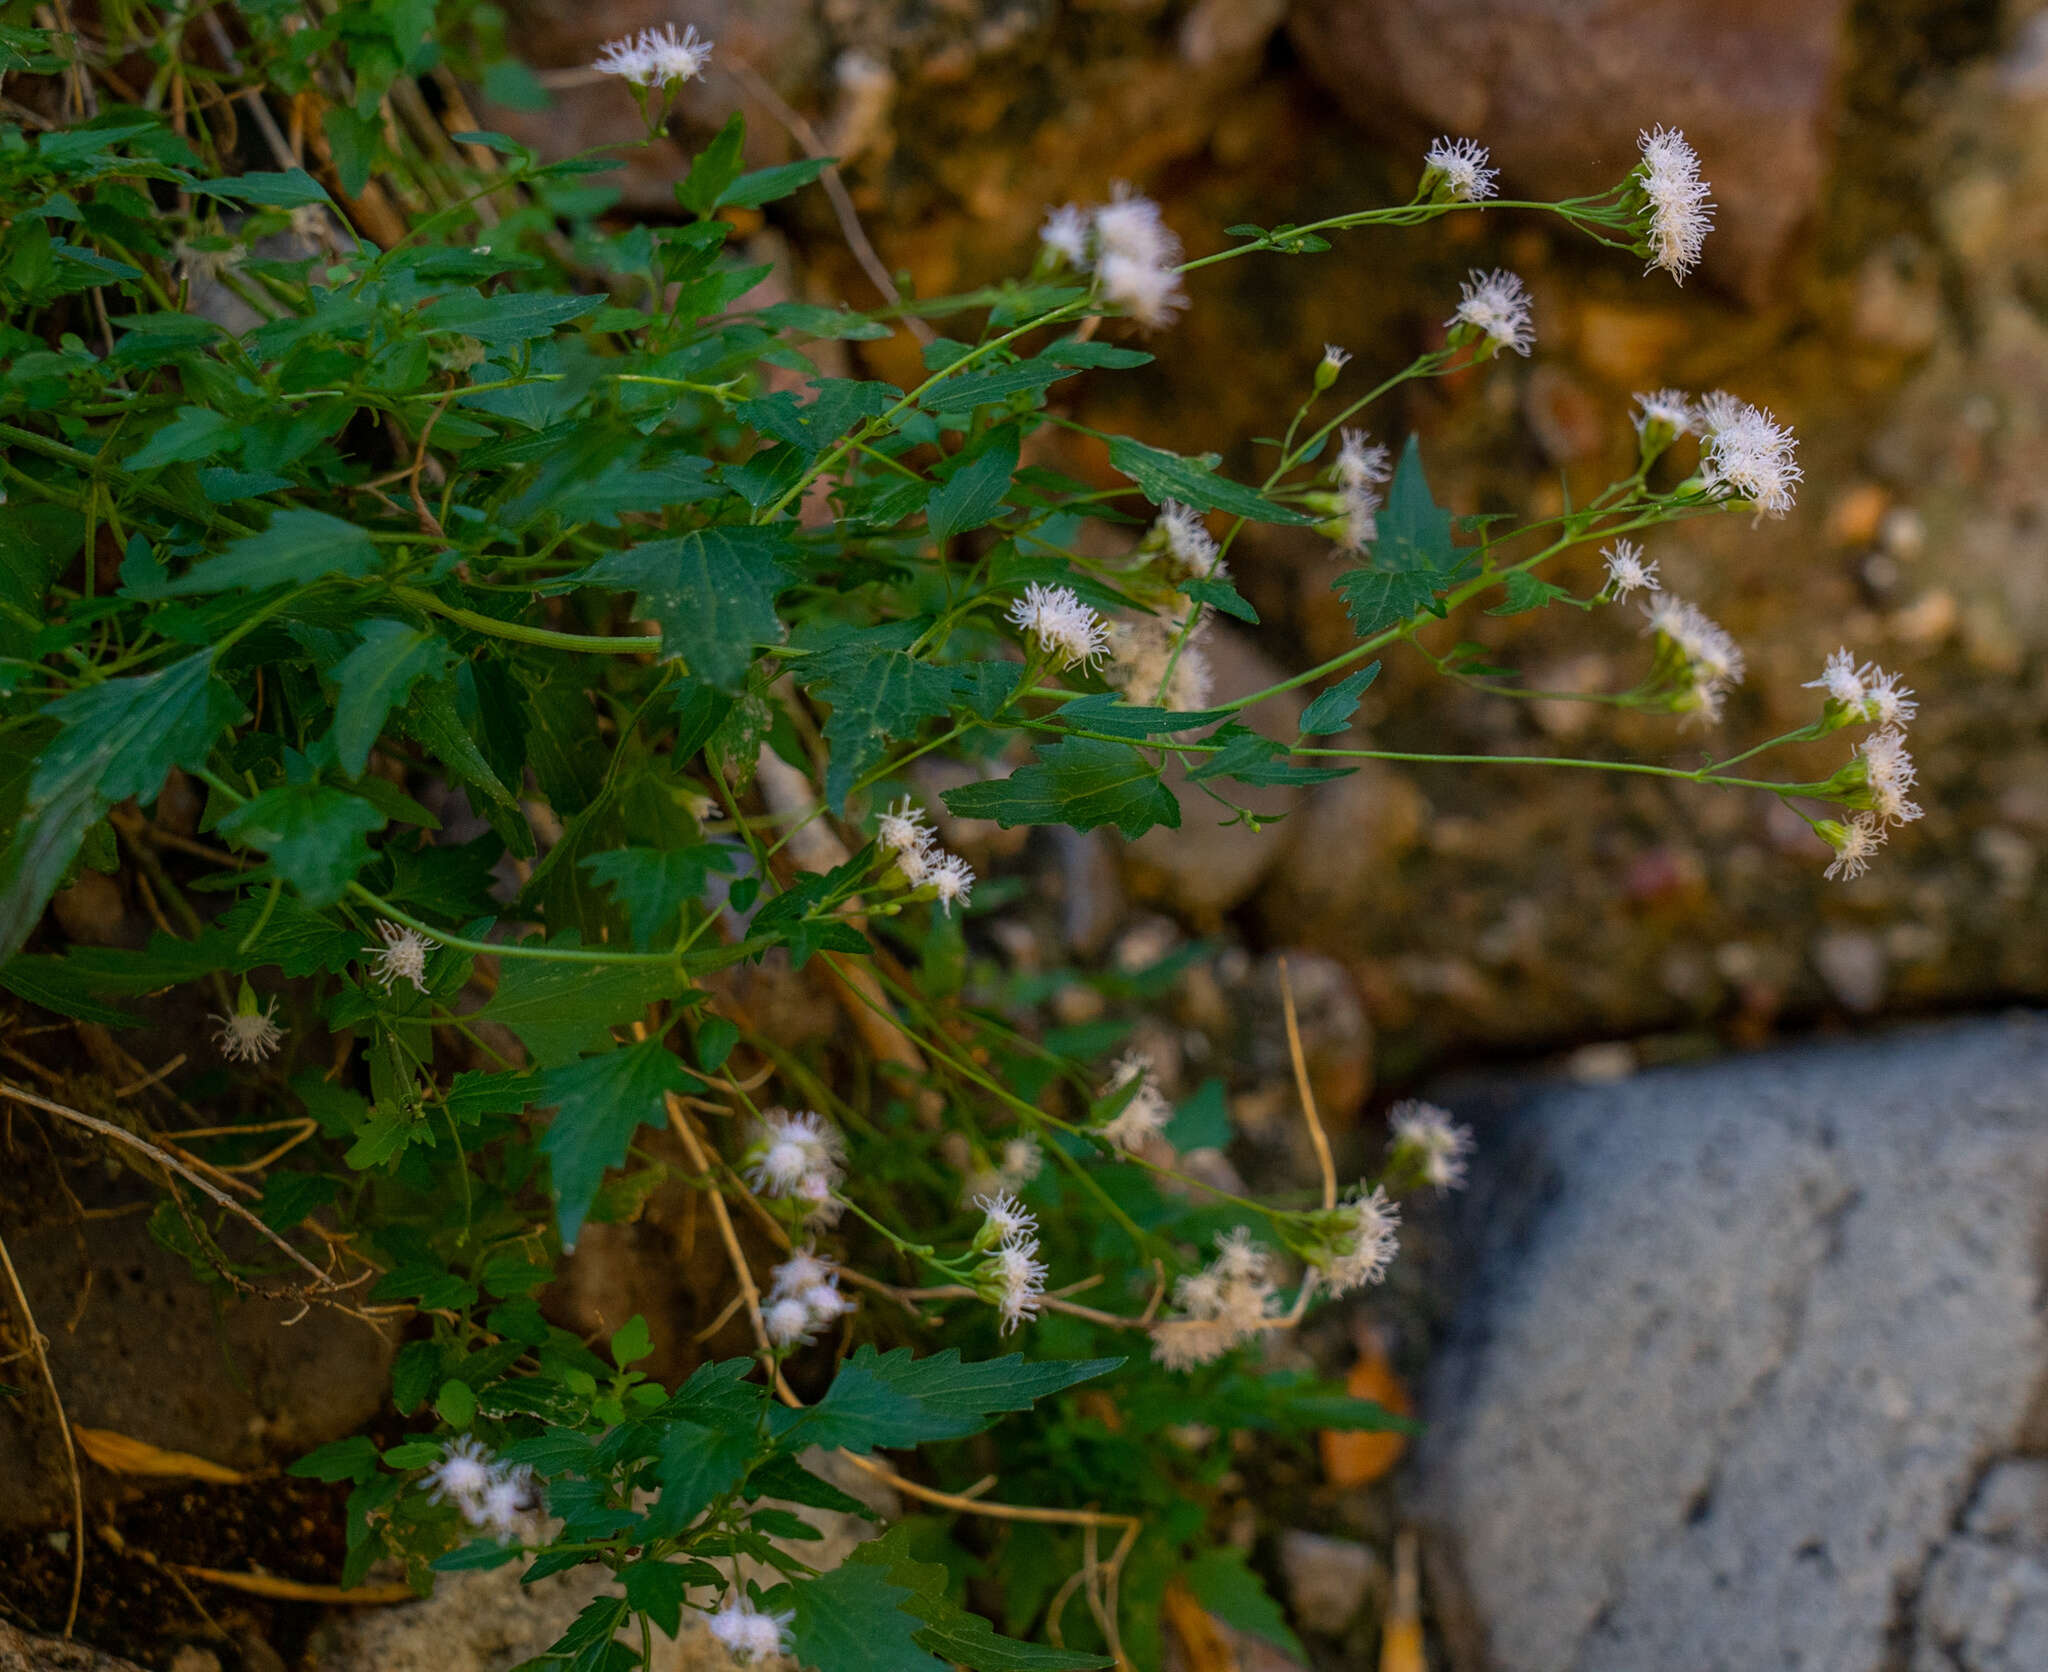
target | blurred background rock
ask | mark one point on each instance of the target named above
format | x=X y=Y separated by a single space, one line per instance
x=1878 y=277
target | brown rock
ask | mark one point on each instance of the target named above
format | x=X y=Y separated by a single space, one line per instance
x=1559 y=88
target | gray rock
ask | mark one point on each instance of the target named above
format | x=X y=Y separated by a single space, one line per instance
x=21 y=1652
x=1328 y=1578
x=1741 y=1342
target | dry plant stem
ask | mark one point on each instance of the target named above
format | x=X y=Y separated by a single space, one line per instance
x=164 y=1159
x=35 y=1343
x=1308 y=1097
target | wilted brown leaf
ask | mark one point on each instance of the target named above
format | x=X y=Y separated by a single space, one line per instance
x=1352 y=1457
x=125 y=1455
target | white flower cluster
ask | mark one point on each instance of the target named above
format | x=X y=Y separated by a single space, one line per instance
x=656 y=57
x=502 y=1501
x=1227 y=1301
x=1866 y=692
x=802 y=1299
x=1626 y=570
x=1128 y=247
x=1426 y=1138
x=1679 y=213
x=402 y=957
x=1362 y=467
x=748 y=1633
x=801 y=1157
x=1064 y=627
x=1188 y=542
x=1745 y=453
x=1144 y=1116
x=1694 y=652
x=1370 y=1242
x=902 y=830
x=1017 y=1164
x=1012 y=1276
x=1144 y=664
x=1887 y=773
x=247 y=1034
x=1495 y=308
x=1457 y=168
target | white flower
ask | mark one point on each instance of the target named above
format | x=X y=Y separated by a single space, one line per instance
x=804 y=1269
x=1183 y=1343
x=510 y=1504
x=902 y=829
x=1374 y=1239
x=1334 y=360
x=1462 y=165
x=1188 y=540
x=1065 y=233
x=1889 y=703
x=1063 y=625
x=1890 y=772
x=1361 y=463
x=1239 y=1259
x=1361 y=517
x=953 y=877
x=656 y=57
x=1666 y=409
x=748 y=1633
x=1853 y=843
x=1496 y=306
x=803 y=1296
x=1221 y=1305
x=1022 y=1159
x=248 y=1035
x=1021 y=1273
x=801 y=1156
x=1186 y=690
x=1696 y=649
x=463 y=1476
x=1680 y=213
x=1146 y=1112
x=1144 y=665
x=1626 y=570
x=402 y=957
x=786 y=1321
x=1129 y=225
x=1004 y=1217
x=1842 y=679
x=1748 y=455
x=1427 y=1135
x=1150 y=295
x=1716 y=411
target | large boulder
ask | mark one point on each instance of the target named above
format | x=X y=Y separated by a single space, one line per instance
x=1744 y=1350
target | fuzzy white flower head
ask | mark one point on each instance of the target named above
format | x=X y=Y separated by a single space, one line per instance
x=1680 y=213
x=1663 y=409
x=1146 y=1112
x=1843 y=681
x=1361 y=517
x=1022 y=1159
x=656 y=57
x=804 y=1269
x=1188 y=540
x=1065 y=234
x=786 y=1321
x=1186 y=689
x=1004 y=1217
x=1626 y=570
x=1854 y=843
x=1710 y=661
x=1497 y=307
x=1429 y=1135
x=463 y=1475
x=903 y=828
x=1715 y=411
x=248 y=1035
x=1022 y=1276
x=953 y=877
x=1150 y=295
x=402 y=957
x=1889 y=703
x=1890 y=771
x=1360 y=461
x=1334 y=360
x=747 y=1632
x=1063 y=626
x=1376 y=1222
x=1462 y=165
x=1184 y=1343
x=511 y=1505
x=1239 y=1259
x=1748 y=455
x=1130 y=225
x=796 y=1155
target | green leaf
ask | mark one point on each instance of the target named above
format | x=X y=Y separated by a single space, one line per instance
x=352 y=1459
x=654 y=883
x=1071 y=351
x=697 y=1465
x=1256 y=760
x=515 y=316
x=1527 y=592
x=1220 y=595
x=1376 y=599
x=1414 y=531
x=194 y=433
x=877 y=697
x=1078 y=781
x=852 y=1620
x=1223 y=1584
x=559 y=1009
x=631 y=1342
x=1163 y=476
x=414 y=1374
x=51 y=983
x=973 y=491
x=313 y=833
x=374 y=678
x=599 y=1103
x=713 y=593
x=297 y=939
x=120 y=738
x=298 y=548
x=891 y=1399
x=716 y=167
x=274 y=191
x=1332 y=710
x=433 y=720
x=765 y=185
x=950 y=1631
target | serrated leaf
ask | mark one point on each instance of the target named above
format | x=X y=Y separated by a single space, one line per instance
x=891 y=1399
x=1377 y=599
x=375 y=678
x=1252 y=759
x=433 y=720
x=952 y=1632
x=510 y=317
x=1332 y=710
x=1105 y=711
x=285 y=190
x=852 y=1620
x=697 y=1464
x=599 y=1103
x=1220 y=595
x=970 y=496
x=1163 y=476
x=560 y=1009
x=194 y=433
x=767 y=185
x=1224 y=1584
x=298 y=548
x=654 y=883
x=313 y=833
x=1078 y=781
x=878 y=696
x=1527 y=592
x=1414 y=531
x=712 y=592
x=714 y=168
